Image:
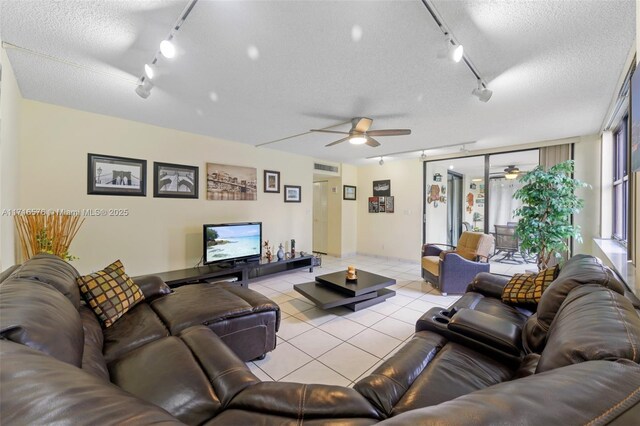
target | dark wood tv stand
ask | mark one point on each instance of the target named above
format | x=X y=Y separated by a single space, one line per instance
x=243 y=271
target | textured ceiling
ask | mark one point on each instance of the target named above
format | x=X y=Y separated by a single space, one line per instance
x=553 y=67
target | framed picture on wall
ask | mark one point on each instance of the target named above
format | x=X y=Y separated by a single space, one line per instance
x=390 y=207
x=231 y=183
x=374 y=206
x=381 y=204
x=292 y=194
x=348 y=192
x=175 y=181
x=382 y=188
x=271 y=181
x=110 y=175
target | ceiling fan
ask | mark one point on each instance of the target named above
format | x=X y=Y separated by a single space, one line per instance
x=511 y=172
x=360 y=133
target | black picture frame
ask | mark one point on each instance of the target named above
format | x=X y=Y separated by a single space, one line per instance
x=187 y=177
x=382 y=188
x=111 y=175
x=292 y=194
x=349 y=192
x=271 y=181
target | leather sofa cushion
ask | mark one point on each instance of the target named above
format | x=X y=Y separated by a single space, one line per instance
x=165 y=373
x=494 y=307
x=137 y=327
x=590 y=393
x=40 y=390
x=495 y=332
x=39 y=316
x=249 y=336
x=152 y=286
x=304 y=402
x=244 y=417
x=50 y=269
x=92 y=358
x=455 y=371
x=258 y=302
x=577 y=271
x=204 y=304
x=593 y=323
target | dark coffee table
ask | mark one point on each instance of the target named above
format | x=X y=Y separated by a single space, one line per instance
x=331 y=290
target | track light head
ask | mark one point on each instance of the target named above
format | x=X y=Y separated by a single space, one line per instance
x=423 y=156
x=144 y=89
x=482 y=93
x=150 y=71
x=456 y=51
x=168 y=49
x=381 y=162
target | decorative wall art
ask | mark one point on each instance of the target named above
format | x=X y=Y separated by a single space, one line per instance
x=374 y=206
x=348 y=192
x=381 y=204
x=381 y=188
x=271 y=181
x=292 y=194
x=437 y=177
x=227 y=182
x=109 y=175
x=175 y=181
x=390 y=204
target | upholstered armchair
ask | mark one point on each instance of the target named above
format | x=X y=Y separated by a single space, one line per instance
x=451 y=270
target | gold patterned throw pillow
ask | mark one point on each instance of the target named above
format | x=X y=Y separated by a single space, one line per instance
x=528 y=287
x=110 y=292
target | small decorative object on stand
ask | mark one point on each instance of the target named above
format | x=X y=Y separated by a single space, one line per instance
x=293 y=248
x=280 y=253
x=351 y=273
x=267 y=251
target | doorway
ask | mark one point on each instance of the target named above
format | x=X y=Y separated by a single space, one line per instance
x=454 y=210
x=320 y=216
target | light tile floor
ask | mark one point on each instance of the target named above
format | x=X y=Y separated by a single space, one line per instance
x=338 y=346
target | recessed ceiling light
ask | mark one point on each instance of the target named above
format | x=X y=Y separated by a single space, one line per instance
x=253 y=52
x=358 y=140
x=167 y=49
x=356 y=33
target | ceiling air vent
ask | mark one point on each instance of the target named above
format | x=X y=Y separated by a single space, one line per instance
x=326 y=168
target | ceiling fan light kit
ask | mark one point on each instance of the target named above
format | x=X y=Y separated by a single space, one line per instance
x=358 y=140
x=360 y=133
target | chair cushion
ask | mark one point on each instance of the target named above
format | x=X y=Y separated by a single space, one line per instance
x=528 y=287
x=110 y=292
x=431 y=264
x=473 y=244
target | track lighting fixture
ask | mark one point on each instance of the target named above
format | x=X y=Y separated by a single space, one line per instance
x=481 y=92
x=150 y=71
x=381 y=162
x=455 y=51
x=423 y=156
x=144 y=89
x=167 y=49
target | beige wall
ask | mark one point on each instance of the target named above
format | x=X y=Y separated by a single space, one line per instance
x=334 y=212
x=10 y=117
x=393 y=235
x=587 y=158
x=350 y=212
x=158 y=234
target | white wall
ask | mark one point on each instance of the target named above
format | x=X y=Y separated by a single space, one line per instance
x=587 y=156
x=159 y=234
x=436 y=211
x=393 y=235
x=10 y=117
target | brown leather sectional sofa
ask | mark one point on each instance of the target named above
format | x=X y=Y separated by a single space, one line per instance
x=573 y=361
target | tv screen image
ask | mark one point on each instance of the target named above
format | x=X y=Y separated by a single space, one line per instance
x=232 y=241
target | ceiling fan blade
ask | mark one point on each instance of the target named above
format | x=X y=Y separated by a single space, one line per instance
x=389 y=132
x=337 y=142
x=329 y=131
x=372 y=142
x=362 y=125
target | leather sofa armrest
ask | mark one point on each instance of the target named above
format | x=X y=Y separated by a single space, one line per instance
x=592 y=392
x=488 y=329
x=226 y=372
x=152 y=286
x=386 y=385
x=304 y=401
x=489 y=284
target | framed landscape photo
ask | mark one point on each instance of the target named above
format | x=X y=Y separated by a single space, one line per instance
x=109 y=175
x=271 y=181
x=348 y=192
x=226 y=182
x=175 y=181
x=292 y=194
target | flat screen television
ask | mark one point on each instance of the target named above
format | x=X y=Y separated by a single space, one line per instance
x=231 y=242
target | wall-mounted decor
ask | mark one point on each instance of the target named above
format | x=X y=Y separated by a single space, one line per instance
x=109 y=175
x=381 y=188
x=374 y=206
x=271 y=181
x=437 y=177
x=292 y=194
x=348 y=192
x=175 y=181
x=443 y=189
x=390 y=207
x=226 y=182
x=473 y=186
x=434 y=194
x=381 y=204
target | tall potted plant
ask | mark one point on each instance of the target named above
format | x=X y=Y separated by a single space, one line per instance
x=549 y=199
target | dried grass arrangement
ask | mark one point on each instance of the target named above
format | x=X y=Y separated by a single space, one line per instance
x=47 y=233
